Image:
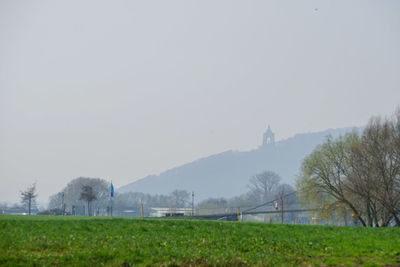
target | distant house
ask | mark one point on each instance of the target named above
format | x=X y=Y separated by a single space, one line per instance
x=168 y=212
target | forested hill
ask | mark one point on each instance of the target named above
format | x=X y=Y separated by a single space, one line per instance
x=227 y=174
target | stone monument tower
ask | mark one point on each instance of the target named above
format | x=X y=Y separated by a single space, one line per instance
x=268 y=138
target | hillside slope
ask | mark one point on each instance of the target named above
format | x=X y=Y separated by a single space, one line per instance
x=227 y=174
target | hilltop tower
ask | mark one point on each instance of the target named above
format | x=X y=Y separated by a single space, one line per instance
x=268 y=137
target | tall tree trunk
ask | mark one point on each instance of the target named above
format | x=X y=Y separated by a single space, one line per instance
x=370 y=212
x=356 y=212
x=396 y=219
x=29 y=206
x=282 y=210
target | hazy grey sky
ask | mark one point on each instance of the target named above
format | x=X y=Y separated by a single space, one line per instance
x=122 y=89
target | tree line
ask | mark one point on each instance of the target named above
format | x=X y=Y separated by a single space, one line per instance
x=262 y=187
x=91 y=196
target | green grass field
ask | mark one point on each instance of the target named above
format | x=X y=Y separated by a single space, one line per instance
x=42 y=240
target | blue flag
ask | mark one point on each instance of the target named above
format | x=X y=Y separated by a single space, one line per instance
x=112 y=190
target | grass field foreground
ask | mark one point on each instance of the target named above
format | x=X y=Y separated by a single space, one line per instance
x=43 y=240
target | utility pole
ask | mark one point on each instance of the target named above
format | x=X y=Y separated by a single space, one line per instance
x=63 y=205
x=111 y=206
x=192 y=203
x=282 y=200
x=111 y=198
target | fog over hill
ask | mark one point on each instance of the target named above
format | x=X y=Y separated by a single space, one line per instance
x=227 y=174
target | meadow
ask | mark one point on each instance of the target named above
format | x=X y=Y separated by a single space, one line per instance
x=94 y=241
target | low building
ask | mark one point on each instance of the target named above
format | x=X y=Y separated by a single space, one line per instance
x=170 y=212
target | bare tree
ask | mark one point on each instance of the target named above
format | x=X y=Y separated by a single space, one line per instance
x=362 y=184
x=3 y=208
x=325 y=172
x=180 y=198
x=263 y=184
x=72 y=192
x=88 y=195
x=28 y=197
x=381 y=140
x=360 y=173
x=56 y=201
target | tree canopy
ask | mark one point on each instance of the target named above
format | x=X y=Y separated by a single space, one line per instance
x=28 y=197
x=357 y=173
